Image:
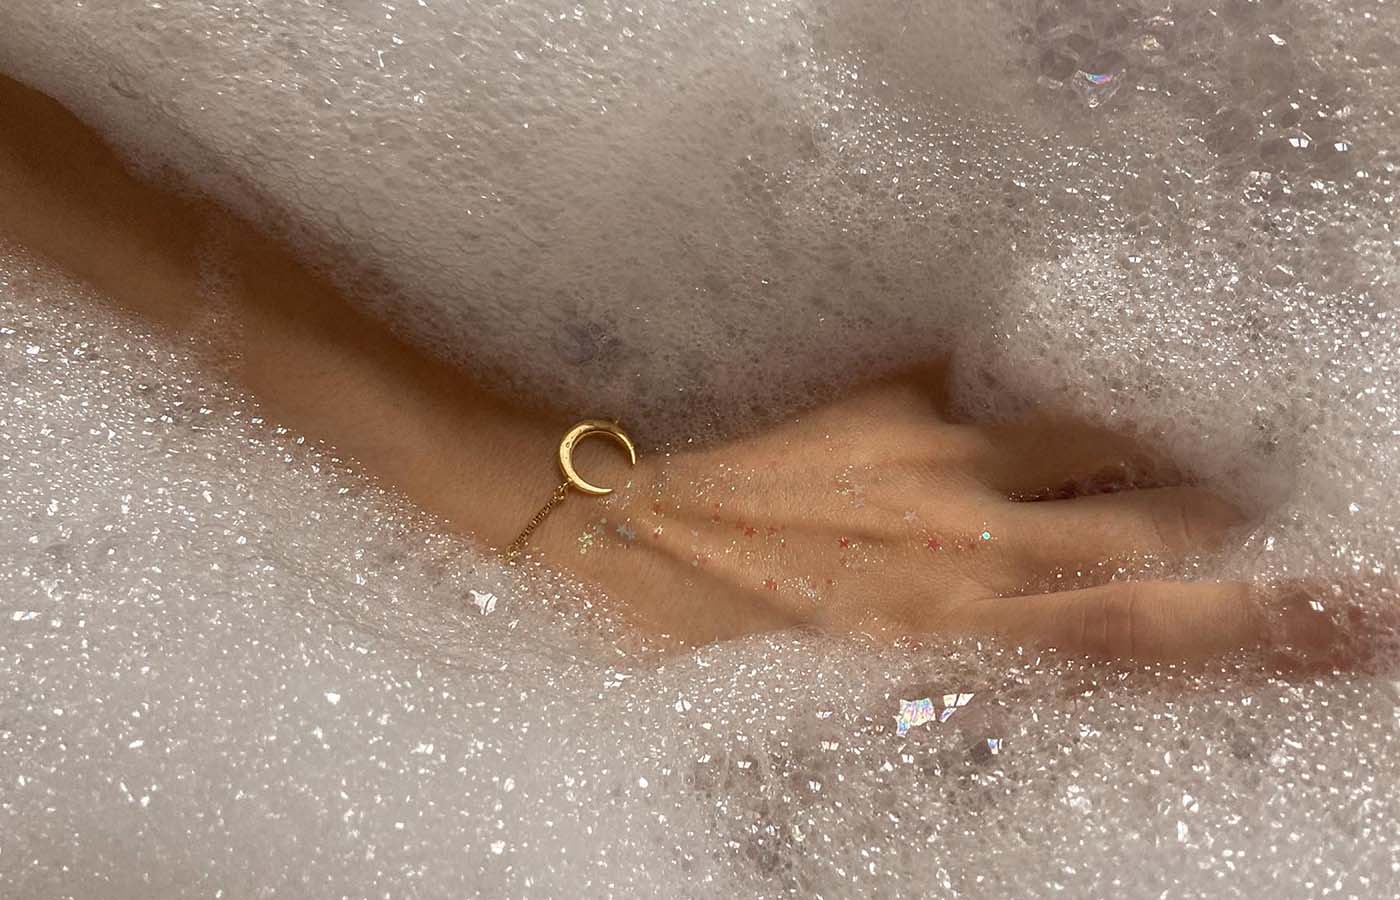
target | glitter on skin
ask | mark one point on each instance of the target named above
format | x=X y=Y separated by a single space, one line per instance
x=405 y=674
x=586 y=537
x=852 y=490
x=291 y=611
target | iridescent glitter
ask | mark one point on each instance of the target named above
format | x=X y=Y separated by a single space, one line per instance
x=913 y=713
x=952 y=703
x=700 y=215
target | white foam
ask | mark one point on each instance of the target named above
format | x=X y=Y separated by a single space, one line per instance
x=1179 y=218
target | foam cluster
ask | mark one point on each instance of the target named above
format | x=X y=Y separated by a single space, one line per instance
x=233 y=666
x=677 y=212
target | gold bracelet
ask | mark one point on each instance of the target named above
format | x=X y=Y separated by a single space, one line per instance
x=571 y=476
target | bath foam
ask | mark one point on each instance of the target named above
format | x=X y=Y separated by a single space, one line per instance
x=234 y=668
x=694 y=216
x=1179 y=220
x=675 y=204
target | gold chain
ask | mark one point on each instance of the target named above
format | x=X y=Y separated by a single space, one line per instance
x=518 y=544
x=580 y=431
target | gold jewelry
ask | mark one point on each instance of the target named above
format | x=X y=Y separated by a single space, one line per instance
x=571 y=476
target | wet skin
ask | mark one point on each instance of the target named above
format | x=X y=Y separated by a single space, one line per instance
x=874 y=513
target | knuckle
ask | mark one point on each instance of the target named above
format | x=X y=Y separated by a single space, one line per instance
x=1193 y=518
x=1171 y=522
x=963 y=449
x=1110 y=624
x=906 y=393
x=1124 y=623
x=968 y=441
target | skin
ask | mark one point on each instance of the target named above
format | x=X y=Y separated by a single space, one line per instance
x=866 y=514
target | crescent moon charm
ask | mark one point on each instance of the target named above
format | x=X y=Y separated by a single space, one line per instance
x=578 y=433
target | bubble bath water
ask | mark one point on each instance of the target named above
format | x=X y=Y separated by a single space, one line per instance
x=233 y=666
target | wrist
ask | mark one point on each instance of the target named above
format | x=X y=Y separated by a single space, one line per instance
x=652 y=550
x=596 y=525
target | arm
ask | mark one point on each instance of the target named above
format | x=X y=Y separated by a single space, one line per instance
x=313 y=361
x=874 y=513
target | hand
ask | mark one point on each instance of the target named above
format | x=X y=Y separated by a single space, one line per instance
x=751 y=531
x=877 y=514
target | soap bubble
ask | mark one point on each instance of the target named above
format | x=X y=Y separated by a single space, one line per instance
x=1169 y=218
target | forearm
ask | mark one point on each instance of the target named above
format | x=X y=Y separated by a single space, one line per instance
x=313 y=362
x=319 y=366
x=872 y=513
